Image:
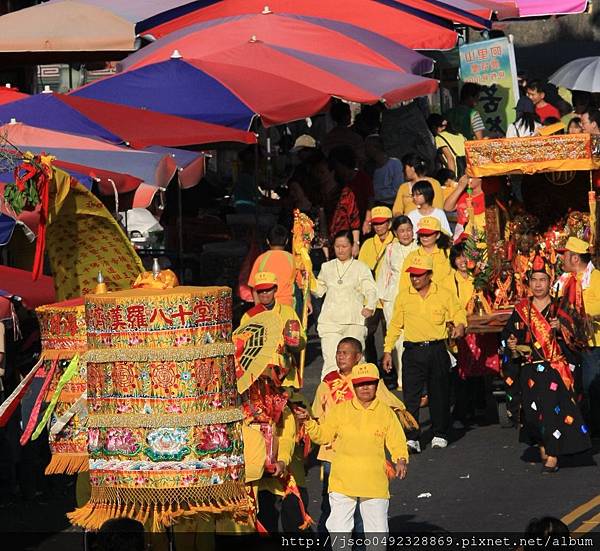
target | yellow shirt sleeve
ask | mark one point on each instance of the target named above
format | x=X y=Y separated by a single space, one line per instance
x=287 y=437
x=394 y=328
x=365 y=253
x=457 y=311
x=395 y=439
x=317 y=407
x=591 y=295
x=255 y=453
x=438 y=194
x=398 y=207
x=324 y=431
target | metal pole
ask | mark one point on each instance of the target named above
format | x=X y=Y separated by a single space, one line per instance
x=180 y=230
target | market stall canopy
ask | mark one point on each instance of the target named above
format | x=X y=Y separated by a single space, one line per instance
x=566 y=152
x=78 y=30
x=418 y=29
x=8 y=95
x=580 y=74
x=117 y=123
x=15 y=282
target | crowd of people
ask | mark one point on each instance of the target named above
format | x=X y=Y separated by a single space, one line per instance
x=390 y=300
x=389 y=305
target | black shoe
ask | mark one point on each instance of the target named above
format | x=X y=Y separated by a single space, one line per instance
x=550 y=470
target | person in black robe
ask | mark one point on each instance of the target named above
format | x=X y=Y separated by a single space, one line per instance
x=545 y=373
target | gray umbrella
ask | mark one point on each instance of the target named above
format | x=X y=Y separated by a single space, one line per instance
x=580 y=74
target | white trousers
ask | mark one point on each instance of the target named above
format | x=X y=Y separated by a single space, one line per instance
x=374 y=513
x=331 y=334
x=388 y=310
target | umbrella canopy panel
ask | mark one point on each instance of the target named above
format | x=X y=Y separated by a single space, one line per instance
x=8 y=95
x=83 y=29
x=81 y=152
x=580 y=74
x=116 y=123
x=316 y=35
x=401 y=23
x=47 y=111
x=278 y=84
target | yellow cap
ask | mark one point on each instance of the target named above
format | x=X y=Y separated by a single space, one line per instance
x=578 y=246
x=380 y=214
x=429 y=225
x=364 y=373
x=264 y=280
x=420 y=264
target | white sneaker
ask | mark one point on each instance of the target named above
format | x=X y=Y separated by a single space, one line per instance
x=439 y=442
x=414 y=446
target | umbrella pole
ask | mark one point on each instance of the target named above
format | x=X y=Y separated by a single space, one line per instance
x=180 y=231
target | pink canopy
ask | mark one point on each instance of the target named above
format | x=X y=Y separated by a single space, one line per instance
x=533 y=8
x=505 y=9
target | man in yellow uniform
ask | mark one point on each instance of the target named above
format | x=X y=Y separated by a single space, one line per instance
x=577 y=260
x=362 y=428
x=372 y=253
x=424 y=311
x=336 y=388
x=265 y=287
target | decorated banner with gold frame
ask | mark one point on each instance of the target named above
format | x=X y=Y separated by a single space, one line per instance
x=565 y=152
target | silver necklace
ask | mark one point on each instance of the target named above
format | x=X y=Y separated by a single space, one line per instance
x=341 y=277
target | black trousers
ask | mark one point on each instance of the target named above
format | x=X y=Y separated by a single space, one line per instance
x=421 y=366
x=272 y=507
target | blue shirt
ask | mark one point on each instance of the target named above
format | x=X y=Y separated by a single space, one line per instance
x=387 y=180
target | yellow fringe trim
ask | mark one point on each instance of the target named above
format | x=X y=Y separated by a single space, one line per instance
x=60 y=354
x=162 y=507
x=177 y=294
x=67 y=463
x=185 y=353
x=164 y=419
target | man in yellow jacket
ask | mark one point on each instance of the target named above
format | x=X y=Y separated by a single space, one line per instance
x=424 y=312
x=578 y=261
x=362 y=428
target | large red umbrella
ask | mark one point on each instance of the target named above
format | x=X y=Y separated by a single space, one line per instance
x=292 y=34
x=404 y=24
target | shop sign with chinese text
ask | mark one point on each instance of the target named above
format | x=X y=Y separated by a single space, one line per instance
x=491 y=63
